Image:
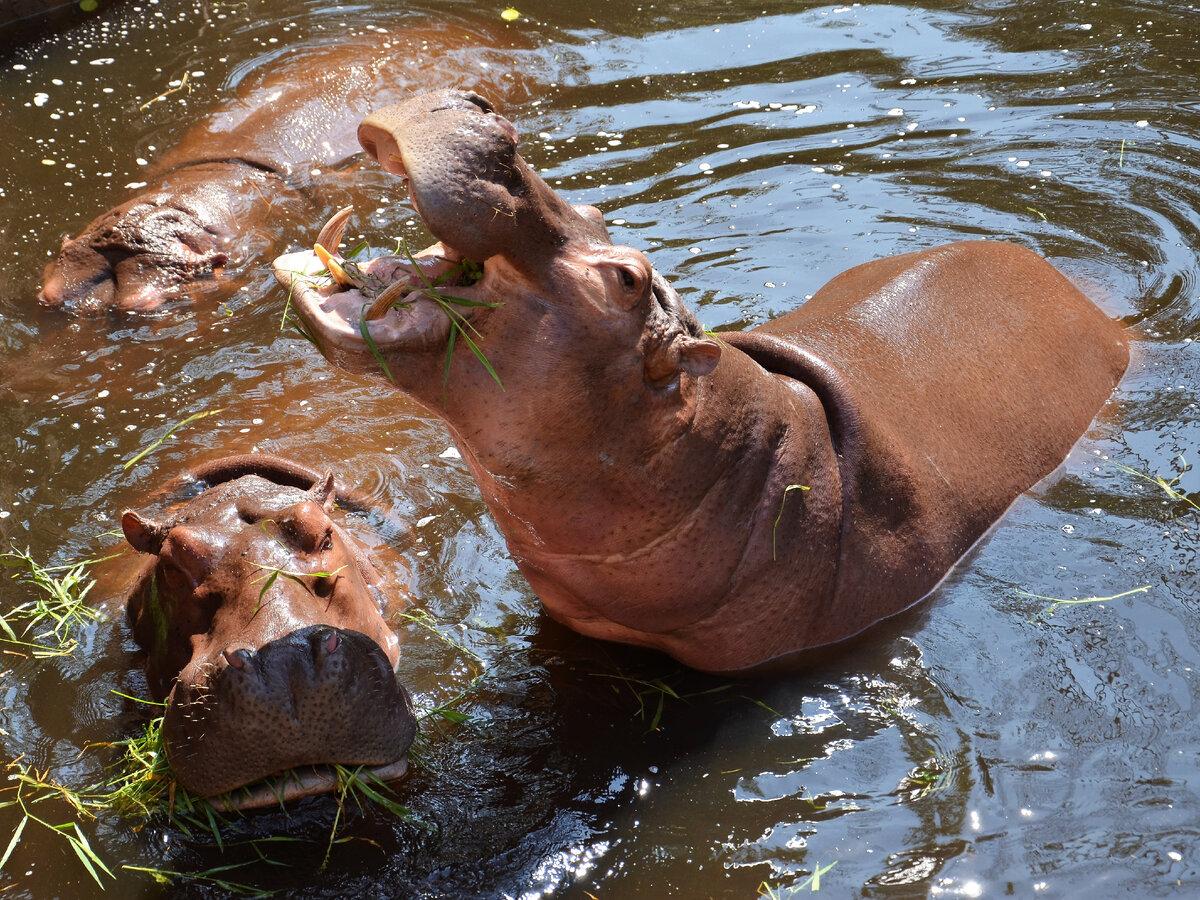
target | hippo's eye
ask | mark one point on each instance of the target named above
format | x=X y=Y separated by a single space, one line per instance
x=628 y=279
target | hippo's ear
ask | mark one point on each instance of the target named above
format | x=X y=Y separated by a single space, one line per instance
x=144 y=534
x=324 y=492
x=696 y=356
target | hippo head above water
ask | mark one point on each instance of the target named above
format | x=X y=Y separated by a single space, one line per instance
x=262 y=632
x=734 y=502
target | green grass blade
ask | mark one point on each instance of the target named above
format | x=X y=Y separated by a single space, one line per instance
x=365 y=330
x=12 y=844
x=195 y=417
x=449 y=356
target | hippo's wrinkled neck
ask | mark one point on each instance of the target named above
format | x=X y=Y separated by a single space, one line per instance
x=737 y=488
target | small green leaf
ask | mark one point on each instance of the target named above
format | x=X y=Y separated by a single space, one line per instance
x=365 y=330
x=12 y=844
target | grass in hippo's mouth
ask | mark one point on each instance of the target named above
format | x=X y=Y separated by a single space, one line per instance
x=467 y=272
x=140 y=786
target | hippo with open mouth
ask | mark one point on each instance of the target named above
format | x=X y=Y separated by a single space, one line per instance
x=736 y=500
x=262 y=633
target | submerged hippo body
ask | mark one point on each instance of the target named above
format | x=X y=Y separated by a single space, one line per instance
x=262 y=631
x=735 y=500
x=222 y=195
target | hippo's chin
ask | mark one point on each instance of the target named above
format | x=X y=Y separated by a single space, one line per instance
x=307 y=781
x=337 y=314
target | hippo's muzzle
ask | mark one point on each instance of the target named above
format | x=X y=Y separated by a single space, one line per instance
x=317 y=698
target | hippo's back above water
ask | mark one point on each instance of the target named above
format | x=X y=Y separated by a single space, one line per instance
x=954 y=379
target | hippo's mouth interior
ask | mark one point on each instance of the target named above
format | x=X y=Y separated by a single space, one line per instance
x=346 y=308
x=304 y=781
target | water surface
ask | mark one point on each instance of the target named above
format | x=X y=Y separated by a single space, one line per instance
x=973 y=747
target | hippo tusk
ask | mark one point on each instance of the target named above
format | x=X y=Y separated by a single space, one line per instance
x=335 y=229
x=332 y=265
x=384 y=301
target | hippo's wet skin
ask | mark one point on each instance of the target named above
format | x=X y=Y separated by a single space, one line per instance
x=224 y=193
x=262 y=632
x=640 y=470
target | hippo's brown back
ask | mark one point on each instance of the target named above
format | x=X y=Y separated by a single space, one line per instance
x=954 y=379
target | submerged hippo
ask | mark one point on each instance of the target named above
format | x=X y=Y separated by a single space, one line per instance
x=221 y=196
x=262 y=633
x=733 y=500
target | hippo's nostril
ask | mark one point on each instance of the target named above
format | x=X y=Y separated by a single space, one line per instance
x=237 y=659
x=325 y=643
x=480 y=102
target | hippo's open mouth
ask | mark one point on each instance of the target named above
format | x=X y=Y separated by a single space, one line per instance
x=399 y=305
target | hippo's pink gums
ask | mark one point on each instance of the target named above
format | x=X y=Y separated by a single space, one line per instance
x=263 y=633
x=646 y=475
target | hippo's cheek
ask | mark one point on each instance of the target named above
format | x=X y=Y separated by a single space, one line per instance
x=319 y=696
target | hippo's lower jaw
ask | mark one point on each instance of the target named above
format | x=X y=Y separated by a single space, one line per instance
x=309 y=781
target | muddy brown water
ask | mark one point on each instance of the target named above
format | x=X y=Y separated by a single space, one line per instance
x=973 y=747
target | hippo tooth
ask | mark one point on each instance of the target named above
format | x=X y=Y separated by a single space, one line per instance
x=334 y=267
x=384 y=301
x=333 y=230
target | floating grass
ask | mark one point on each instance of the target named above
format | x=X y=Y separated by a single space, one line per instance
x=423 y=619
x=779 y=518
x=359 y=784
x=33 y=787
x=185 y=84
x=213 y=876
x=60 y=602
x=932 y=775
x=784 y=892
x=652 y=694
x=154 y=445
x=1168 y=487
x=1056 y=602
